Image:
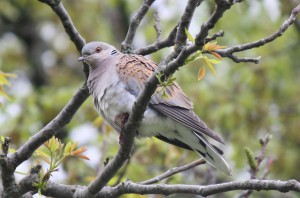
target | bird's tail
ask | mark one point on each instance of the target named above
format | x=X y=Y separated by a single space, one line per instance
x=210 y=153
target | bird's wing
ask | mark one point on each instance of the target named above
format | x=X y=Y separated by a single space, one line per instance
x=134 y=71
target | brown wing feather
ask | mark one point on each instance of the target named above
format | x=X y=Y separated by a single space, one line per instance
x=134 y=71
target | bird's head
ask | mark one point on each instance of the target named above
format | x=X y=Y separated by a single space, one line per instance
x=94 y=53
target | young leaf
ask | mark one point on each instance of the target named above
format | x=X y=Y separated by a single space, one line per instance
x=189 y=35
x=212 y=46
x=2 y=92
x=4 y=81
x=78 y=151
x=2 y=139
x=44 y=156
x=67 y=149
x=209 y=64
x=212 y=69
x=201 y=73
x=83 y=157
x=216 y=55
x=193 y=57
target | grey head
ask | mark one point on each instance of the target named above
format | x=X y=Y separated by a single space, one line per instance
x=94 y=53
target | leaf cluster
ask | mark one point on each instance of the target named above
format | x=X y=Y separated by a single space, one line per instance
x=56 y=152
x=204 y=60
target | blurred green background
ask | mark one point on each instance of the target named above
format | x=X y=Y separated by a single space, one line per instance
x=244 y=102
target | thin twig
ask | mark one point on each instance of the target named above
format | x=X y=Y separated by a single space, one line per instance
x=158 y=45
x=157 y=26
x=173 y=171
x=229 y=52
x=221 y=7
x=5 y=146
x=68 y=24
x=254 y=171
x=214 y=36
x=134 y=23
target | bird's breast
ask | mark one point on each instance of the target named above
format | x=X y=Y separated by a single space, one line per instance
x=113 y=101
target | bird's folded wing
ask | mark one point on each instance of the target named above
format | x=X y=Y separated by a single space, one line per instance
x=134 y=71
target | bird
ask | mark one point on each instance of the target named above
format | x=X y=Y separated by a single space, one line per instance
x=115 y=81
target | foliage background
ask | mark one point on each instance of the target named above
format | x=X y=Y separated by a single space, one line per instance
x=243 y=103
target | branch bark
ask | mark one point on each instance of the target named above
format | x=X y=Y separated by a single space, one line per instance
x=165 y=189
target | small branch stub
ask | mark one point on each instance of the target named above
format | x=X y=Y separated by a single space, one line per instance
x=5 y=145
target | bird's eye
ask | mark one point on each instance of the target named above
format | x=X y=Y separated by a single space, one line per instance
x=98 y=49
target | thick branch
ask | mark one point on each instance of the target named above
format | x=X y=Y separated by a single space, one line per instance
x=165 y=189
x=134 y=23
x=229 y=52
x=140 y=106
x=67 y=191
x=8 y=179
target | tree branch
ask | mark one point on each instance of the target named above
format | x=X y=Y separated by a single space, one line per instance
x=131 y=126
x=229 y=52
x=137 y=114
x=70 y=29
x=67 y=22
x=97 y=187
x=157 y=26
x=185 y=22
x=70 y=109
x=221 y=7
x=173 y=171
x=63 y=118
x=167 y=189
x=214 y=36
x=169 y=41
x=7 y=172
x=134 y=23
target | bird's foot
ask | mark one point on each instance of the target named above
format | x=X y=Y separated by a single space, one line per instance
x=124 y=118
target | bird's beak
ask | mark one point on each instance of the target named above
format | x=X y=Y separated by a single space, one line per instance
x=82 y=58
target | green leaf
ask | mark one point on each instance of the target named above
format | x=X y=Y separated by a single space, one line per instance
x=214 y=61
x=210 y=66
x=67 y=150
x=2 y=138
x=3 y=80
x=189 y=35
x=193 y=57
x=2 y=92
